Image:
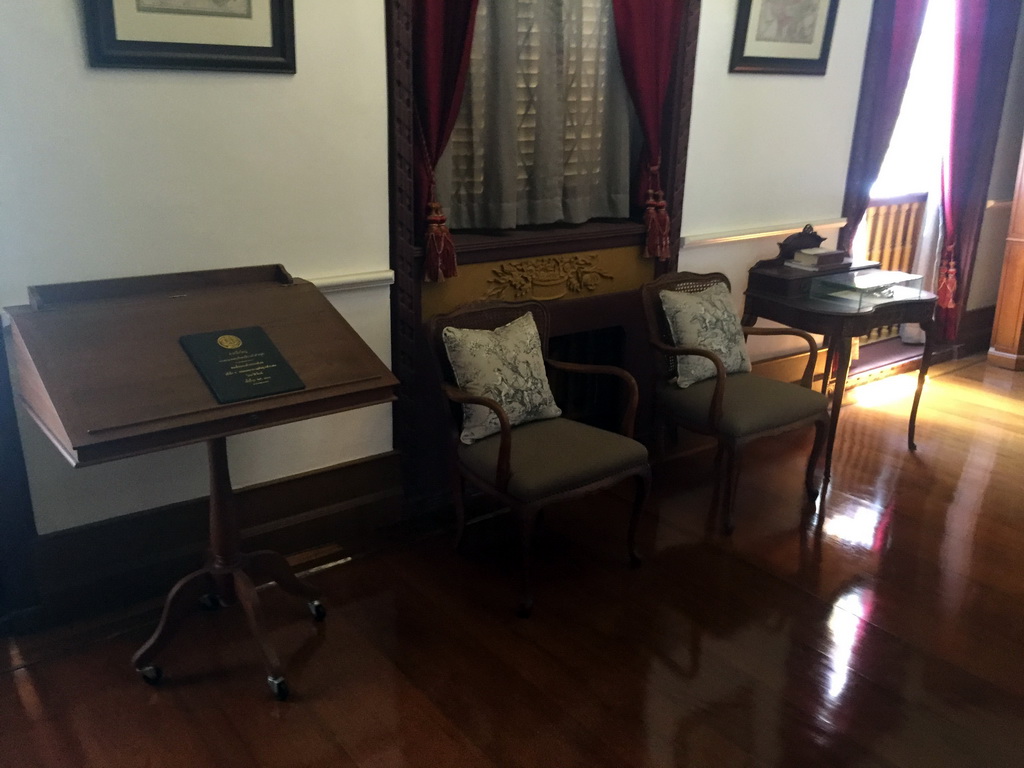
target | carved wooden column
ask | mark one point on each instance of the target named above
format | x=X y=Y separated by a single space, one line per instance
x=1007 y=350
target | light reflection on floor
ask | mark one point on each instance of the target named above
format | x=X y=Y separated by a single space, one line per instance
x=865 y=527
x=845 y=625
x=896 y=392
x=885 y=392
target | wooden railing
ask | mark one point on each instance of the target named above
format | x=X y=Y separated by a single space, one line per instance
x=894 y=228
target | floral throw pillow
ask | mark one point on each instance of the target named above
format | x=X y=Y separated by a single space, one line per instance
x=506 y=365
x=705 y=320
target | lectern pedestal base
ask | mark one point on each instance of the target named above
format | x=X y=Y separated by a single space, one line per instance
x=229 y=576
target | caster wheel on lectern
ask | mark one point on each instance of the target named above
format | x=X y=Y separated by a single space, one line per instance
x=317 y=609
x=151 y=674
x=278 y=687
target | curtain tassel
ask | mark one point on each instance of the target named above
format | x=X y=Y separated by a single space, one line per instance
x=946 y=293
x=439 y=256
x=657 y=222
x=947 y=282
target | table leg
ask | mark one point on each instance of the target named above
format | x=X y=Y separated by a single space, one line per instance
x=830 y=356
x=842 y=370
x=225 y=536
x=926 y=360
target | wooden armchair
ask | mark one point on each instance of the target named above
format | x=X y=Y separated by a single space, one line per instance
x=735 y=406
x=528 y=465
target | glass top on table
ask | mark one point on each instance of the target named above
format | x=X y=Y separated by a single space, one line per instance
x=866 y=289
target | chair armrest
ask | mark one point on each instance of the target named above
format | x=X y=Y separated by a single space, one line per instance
x=503 y=470
x=812 y=347
x=715 y=408
x=632 y=393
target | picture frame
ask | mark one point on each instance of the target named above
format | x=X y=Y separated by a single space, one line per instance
x=783 y=37
x=232 y=35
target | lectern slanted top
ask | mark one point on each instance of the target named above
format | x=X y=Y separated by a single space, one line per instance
x=101 y=368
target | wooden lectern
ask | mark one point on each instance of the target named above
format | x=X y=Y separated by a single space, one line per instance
x=102 y=371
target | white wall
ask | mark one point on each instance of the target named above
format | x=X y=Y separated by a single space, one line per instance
x=106 y=173
x=767 y=152
x=764 y=149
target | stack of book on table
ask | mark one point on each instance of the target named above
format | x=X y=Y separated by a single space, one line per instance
x=819 y=259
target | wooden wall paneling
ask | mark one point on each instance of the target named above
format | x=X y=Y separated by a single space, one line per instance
x=312 y=518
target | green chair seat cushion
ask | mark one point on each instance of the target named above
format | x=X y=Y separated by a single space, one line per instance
x=752 y=404
x=554 y=456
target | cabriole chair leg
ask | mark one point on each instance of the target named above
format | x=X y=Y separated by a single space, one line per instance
x=820 y=433
x=641 y=494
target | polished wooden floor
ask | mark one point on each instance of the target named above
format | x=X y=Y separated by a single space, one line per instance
x=897 y=639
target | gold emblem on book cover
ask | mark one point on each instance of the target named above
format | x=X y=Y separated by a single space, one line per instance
x=229 y=341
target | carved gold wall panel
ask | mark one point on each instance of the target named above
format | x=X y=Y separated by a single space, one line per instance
x=564 y=276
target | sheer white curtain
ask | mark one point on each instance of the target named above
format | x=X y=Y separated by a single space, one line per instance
x=544 y=130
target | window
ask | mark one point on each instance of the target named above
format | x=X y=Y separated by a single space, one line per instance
x=543 y=135
x=901 y=227
x=921 y=135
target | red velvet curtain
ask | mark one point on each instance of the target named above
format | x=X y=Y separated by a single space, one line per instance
x=442 y=38
x=648 y=33
x=892 y=42
x=983 y=49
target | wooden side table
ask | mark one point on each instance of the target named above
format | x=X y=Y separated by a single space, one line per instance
x=841 y=323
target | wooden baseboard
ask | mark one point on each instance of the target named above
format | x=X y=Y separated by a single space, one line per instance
x=114 y=564
x=1005 y=360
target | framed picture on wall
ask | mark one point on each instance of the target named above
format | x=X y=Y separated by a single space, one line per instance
x=238 y=35
x=783 y=36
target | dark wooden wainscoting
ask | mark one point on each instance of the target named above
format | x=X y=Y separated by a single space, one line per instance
x=607 y=330
x=590 y=399
x=312 y=518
